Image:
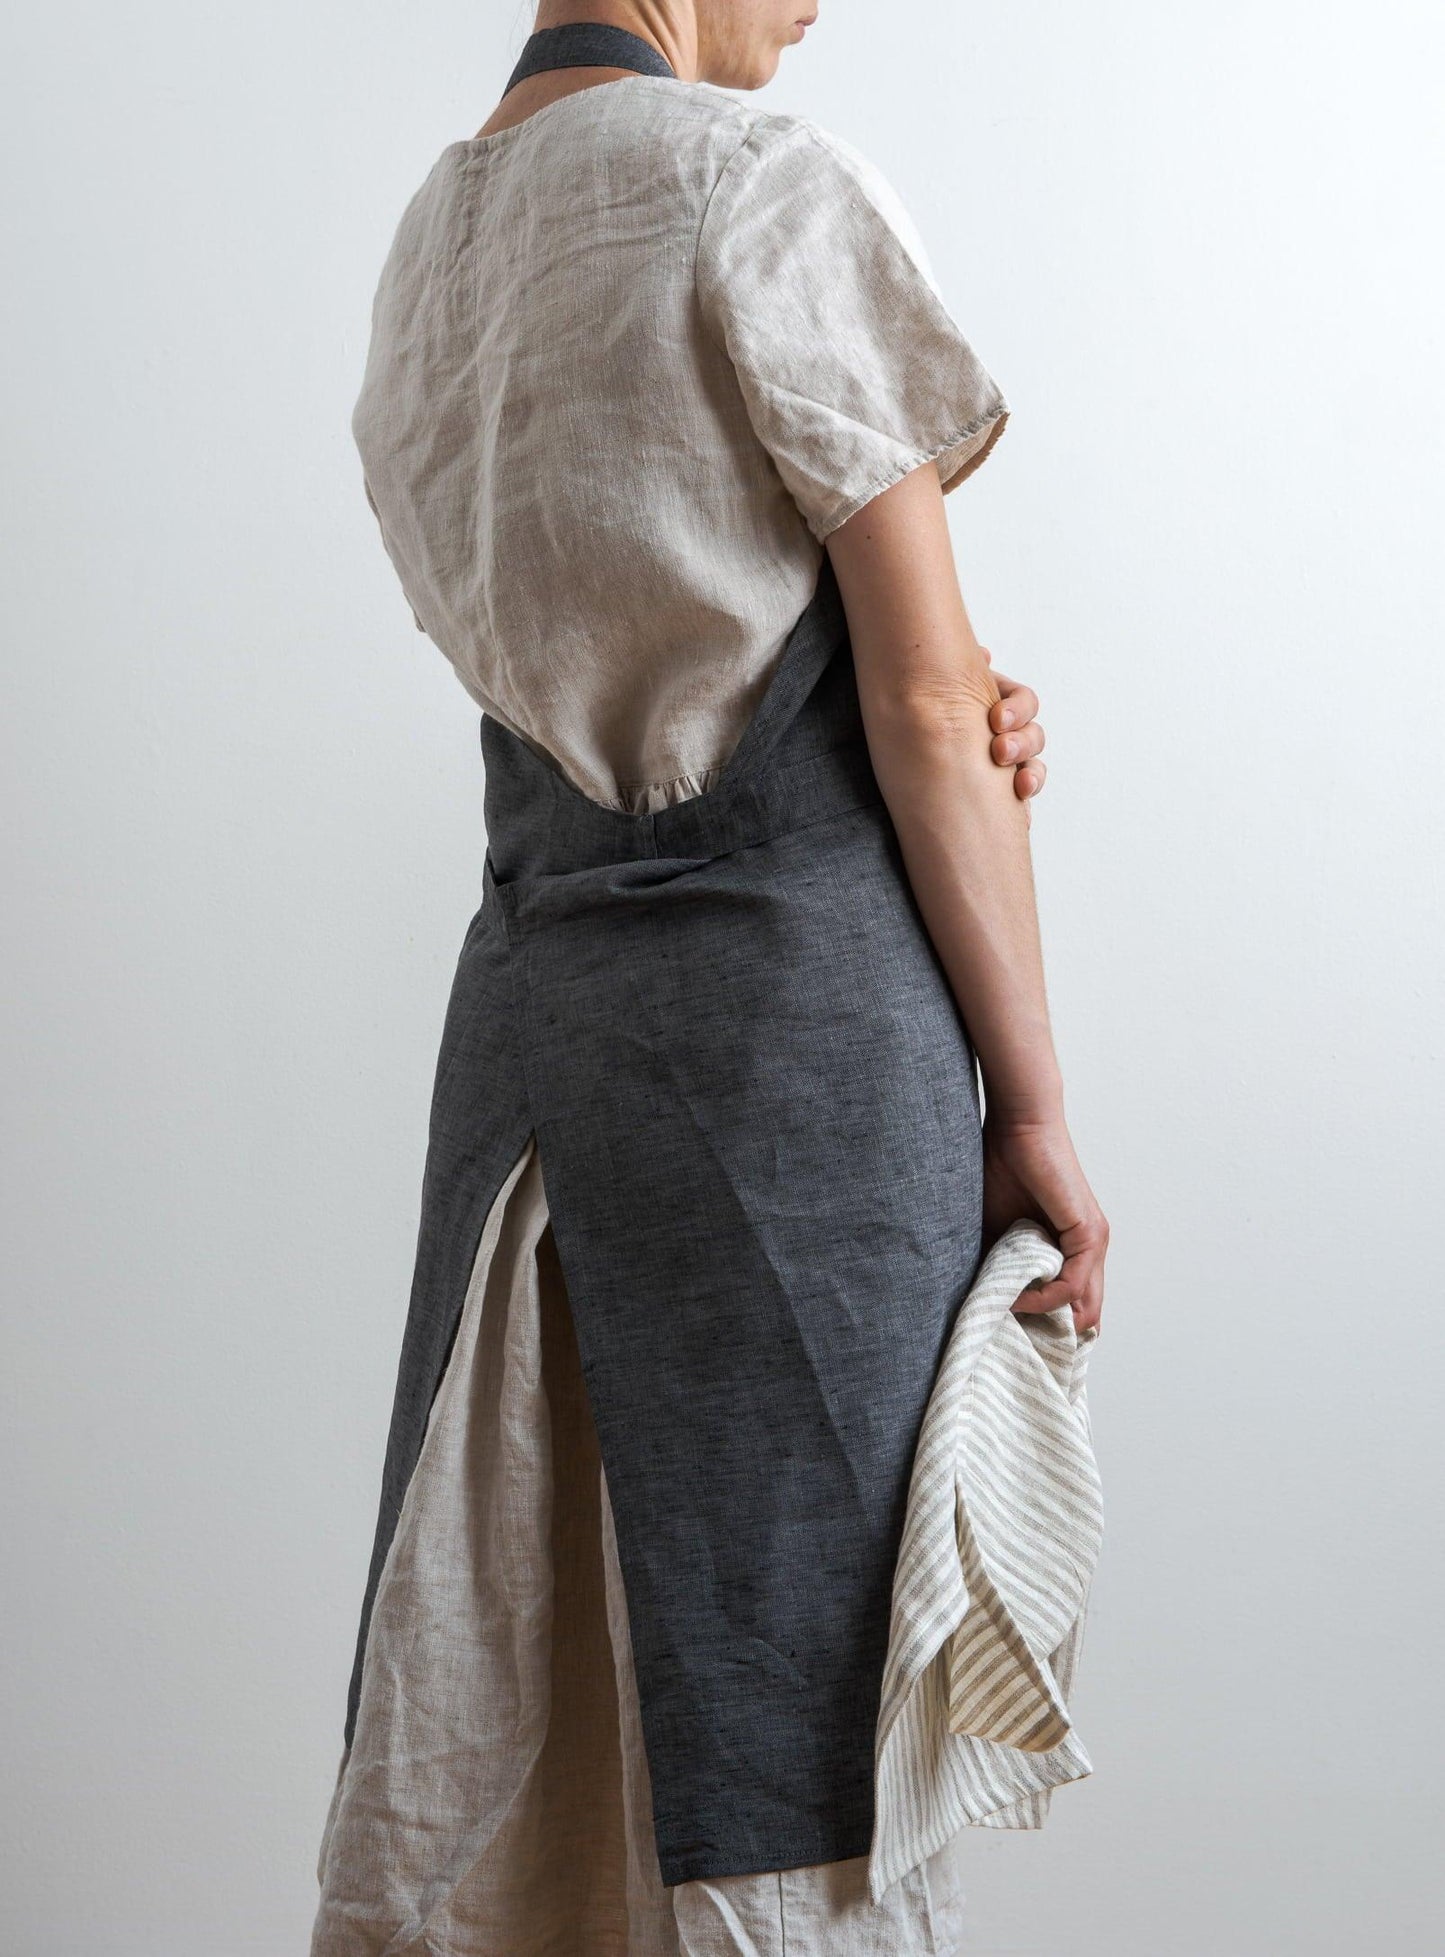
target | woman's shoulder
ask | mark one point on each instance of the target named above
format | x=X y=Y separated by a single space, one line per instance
x=796 y=166
x=788 y=129
x=738 y=123
x=786 y=132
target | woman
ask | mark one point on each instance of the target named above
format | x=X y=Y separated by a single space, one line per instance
x=659 y=410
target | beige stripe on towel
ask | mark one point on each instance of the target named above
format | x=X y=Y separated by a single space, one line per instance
x=1002 y=1536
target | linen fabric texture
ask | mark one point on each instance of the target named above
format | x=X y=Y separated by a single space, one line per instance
x=1002 y=1537
x=631 y=361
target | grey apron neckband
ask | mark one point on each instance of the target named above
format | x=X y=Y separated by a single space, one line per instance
x=588 y=44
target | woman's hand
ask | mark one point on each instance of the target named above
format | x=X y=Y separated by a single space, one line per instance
x=1030 y=1169
x=1018 y=739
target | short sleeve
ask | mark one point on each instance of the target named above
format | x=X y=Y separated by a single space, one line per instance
x=852 y=368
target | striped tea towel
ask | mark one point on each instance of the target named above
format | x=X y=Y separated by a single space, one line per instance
x=999 y=1545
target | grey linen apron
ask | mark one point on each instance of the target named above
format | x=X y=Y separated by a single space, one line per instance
x=757 y=1117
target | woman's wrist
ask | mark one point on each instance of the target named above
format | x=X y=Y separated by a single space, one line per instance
x=1031 y=1097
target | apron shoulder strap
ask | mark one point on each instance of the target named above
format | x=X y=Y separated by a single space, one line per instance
x=588 y=44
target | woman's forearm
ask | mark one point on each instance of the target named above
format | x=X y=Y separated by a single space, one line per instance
x=926 y=688
x=965 y=846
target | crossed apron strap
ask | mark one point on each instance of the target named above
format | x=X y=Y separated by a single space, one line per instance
x=820 y=630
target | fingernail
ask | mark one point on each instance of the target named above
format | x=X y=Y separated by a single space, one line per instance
x=1010 y=749
x=1006 y=719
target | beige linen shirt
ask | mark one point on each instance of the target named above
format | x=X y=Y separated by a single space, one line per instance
x=632 y=360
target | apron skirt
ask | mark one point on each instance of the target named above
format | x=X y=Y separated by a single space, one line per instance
x=756 y=1111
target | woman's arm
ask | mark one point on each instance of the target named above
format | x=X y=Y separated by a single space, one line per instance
x=927 y=693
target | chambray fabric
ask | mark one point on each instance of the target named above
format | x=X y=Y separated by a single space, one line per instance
x=587 y=44
x=496 y=1802
x=756 y=1110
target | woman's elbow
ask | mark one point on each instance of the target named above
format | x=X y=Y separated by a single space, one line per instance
x=945 y=713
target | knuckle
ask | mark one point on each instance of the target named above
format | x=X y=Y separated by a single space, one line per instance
x=1095 y=1234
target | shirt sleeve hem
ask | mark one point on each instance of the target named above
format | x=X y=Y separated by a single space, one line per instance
x=956 y=457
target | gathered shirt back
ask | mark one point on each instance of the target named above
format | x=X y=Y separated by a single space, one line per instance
x=632 y=360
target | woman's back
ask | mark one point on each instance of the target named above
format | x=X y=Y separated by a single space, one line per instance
x=632 y=359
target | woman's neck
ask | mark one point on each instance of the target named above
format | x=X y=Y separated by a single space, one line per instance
x=667 y=25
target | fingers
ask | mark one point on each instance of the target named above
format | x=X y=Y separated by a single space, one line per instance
x=1082 y=1289
x=1079 y=1284
x=1017 y=705
x=1018 y=738
x=1029 y=779
x=1089 y=1309
x=1020 y=745
x=1042 y=1294
x=1020 y=752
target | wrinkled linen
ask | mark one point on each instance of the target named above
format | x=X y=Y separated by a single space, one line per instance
x=1004 y=1525
x=631 y=361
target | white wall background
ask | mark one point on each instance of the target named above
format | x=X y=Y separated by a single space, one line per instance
x=1199 y=246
